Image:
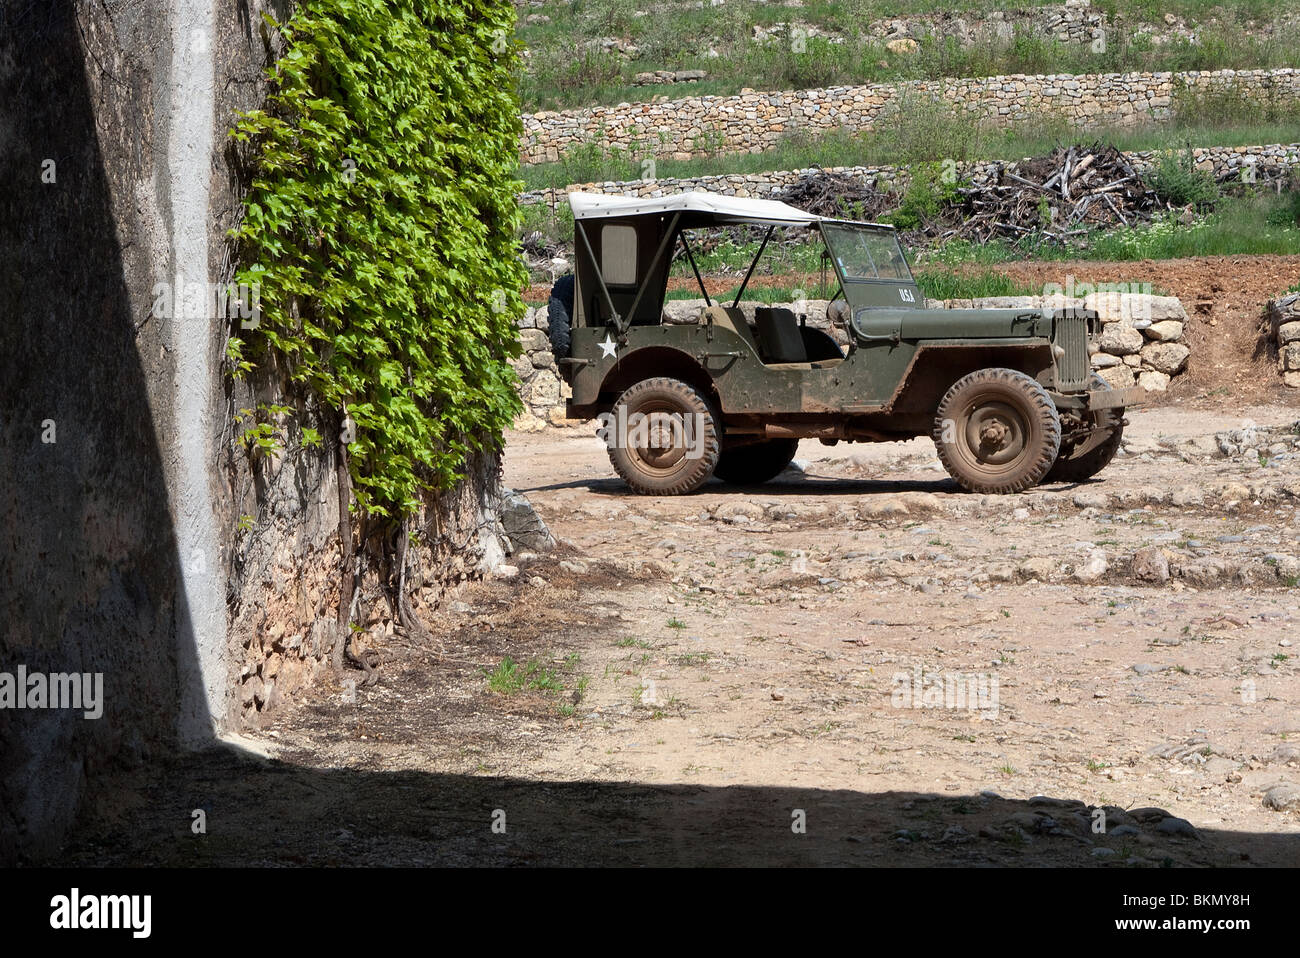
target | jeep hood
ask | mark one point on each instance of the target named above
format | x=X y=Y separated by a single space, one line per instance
x=874 y=324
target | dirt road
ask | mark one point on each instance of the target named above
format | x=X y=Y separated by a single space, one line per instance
x=854 y=663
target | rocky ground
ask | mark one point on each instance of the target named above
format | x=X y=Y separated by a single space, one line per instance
x=771 y=675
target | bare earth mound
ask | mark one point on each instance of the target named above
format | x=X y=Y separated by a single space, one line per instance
x=1224 y=297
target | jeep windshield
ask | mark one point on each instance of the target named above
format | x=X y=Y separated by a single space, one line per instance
x=862 y=253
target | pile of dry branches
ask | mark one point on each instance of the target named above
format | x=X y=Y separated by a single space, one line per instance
x=1067 y=193
x=836 y=195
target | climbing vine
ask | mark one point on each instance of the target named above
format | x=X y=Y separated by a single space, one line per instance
x=380 y=229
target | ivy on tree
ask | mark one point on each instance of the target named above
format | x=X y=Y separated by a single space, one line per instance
x=381 y=226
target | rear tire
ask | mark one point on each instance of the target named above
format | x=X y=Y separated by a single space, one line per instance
x=1090 y=455
x=676 y=447
x=997 y=431
x=756 y=462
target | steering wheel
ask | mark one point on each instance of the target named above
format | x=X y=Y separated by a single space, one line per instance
x=838 y=312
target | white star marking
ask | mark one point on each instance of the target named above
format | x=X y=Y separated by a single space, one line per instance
x=609 y=347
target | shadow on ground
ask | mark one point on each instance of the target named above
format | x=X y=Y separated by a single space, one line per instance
x=806 y=485
x=261 y=812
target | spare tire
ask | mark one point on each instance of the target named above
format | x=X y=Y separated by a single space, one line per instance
x=559 y=311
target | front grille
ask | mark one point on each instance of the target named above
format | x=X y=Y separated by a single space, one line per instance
x=1073 y=370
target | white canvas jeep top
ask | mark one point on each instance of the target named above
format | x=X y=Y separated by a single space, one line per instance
x=714 y=208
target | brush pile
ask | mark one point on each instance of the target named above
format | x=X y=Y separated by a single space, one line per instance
x=836 y=195
x=1066 y=193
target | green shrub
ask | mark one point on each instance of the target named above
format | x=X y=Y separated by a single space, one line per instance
x=381 y=227
x=931 y=189
x=1287 y=211
x=555 y=225
x=1177 y=181
x=919 y=129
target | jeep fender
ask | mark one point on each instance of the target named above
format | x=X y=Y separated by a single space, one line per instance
x=636 y=365
x=937 y=365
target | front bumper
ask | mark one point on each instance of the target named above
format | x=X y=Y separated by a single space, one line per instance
x=1116 y=398
x=1096 y=399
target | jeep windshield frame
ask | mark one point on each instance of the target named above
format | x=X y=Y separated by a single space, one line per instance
x=870 y=264
x=865 y=254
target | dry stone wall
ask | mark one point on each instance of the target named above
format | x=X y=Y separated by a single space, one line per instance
x=540 y=385
x=1141 y=342
x=1284 y=317
x=751 y=122
x=1260 y=163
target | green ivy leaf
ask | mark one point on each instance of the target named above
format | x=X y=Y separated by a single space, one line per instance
x=376 y=277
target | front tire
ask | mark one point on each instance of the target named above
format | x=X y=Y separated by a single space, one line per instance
x=997 y=431
x=671 y=443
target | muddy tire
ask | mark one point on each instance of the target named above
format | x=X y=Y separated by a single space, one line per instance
x=997 y=431
x=756 y=462
x=675 y=447
x=559 y=314
x=1088 y=456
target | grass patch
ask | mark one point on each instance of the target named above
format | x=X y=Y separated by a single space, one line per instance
x=753 y=294
x=1241 y=226
x=510 y=677
x=568 y=64
x=943 y=284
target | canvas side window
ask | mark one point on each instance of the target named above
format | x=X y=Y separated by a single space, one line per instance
x=618 y=255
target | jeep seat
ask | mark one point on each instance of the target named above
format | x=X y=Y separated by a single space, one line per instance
x=732 y=318
x=778 y=332
x=784 y=345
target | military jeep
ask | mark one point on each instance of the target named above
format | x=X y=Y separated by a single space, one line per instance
x=1008 y=395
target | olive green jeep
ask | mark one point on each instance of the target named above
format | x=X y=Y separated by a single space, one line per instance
x=1008 y=395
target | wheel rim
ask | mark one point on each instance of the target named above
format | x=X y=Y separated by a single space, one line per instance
x=663 y=429
x=994 y=435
